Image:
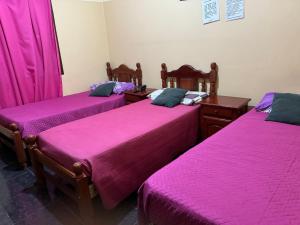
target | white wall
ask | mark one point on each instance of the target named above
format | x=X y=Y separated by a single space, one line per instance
x=258 y=54
x=82 y=37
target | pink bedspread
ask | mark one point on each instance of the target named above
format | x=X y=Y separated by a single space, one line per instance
x=121 y=148
x=247 y=174
x=37 y=117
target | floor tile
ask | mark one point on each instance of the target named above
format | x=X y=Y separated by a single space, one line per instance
x=22 y=203
x=4 y=218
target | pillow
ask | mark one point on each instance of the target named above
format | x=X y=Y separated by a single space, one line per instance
x=192 y=97
x=94 y=86
x=170 y=97
x=285 y=109
x=123 y=86
x=104 y=90
x=119 y=88
x=265 y=103
x=267 y=110
x=153 y=95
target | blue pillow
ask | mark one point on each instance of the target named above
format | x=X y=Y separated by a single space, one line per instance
x=104 y=90
x=285 y=109
x=170 y=97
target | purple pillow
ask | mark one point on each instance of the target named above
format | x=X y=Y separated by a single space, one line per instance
x=266 y=102
x=123 y=86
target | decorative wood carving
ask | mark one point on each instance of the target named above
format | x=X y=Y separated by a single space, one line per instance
x=189 y=78
x=124 y=74
x=77 y=168
x=31 y=141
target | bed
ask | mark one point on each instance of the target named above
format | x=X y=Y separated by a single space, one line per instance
x=17 y=123
x=97 y=156
x=248 y=173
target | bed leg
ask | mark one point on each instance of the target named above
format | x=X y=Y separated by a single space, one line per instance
x=37 y=167
x=18 y=142
x=85 y=204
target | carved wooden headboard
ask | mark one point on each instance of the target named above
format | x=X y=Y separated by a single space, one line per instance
x=125 y=74
x=191 y=79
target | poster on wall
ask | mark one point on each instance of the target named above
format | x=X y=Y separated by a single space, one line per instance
x=210 y=11
x=235 y=9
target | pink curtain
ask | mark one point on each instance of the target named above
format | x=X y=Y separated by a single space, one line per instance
x=30 y=68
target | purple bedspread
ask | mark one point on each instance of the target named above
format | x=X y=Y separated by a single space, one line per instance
x=246 y=174
x=37 y=117
x=121 y=148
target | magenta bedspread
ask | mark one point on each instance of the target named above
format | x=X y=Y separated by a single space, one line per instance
x=246 y=174
x=121 y=148
x=36 y=117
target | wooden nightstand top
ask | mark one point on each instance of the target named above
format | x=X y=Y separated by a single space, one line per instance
x=225 y=101
x=140 y=94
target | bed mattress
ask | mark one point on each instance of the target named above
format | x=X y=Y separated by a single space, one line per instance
x=121 y=148
x=248 y=173
x=37 y=117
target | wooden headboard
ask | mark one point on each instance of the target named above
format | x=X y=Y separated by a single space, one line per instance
x=125 y=74
x=189 y=78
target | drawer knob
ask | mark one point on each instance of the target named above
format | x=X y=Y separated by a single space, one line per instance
x=215 y=111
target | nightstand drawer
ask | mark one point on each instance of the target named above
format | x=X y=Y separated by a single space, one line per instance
x=217 y=112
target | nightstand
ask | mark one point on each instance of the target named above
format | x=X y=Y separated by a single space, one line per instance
x=219 y=111
x=132 y=96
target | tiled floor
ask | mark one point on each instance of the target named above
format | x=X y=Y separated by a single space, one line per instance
x=21 y=203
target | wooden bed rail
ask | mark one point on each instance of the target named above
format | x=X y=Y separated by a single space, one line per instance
x=77 y=178
x=14 y=140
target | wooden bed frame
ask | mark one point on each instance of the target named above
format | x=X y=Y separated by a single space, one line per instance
x=125 y=74
x=82 y=190
x=189 y=78
x=10 y=134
